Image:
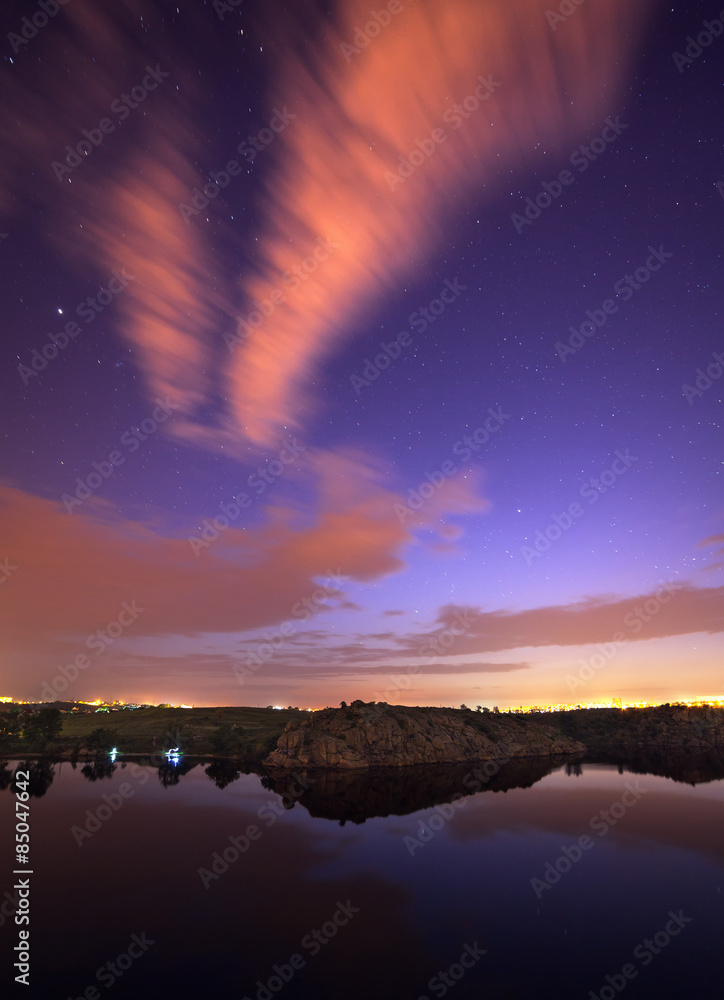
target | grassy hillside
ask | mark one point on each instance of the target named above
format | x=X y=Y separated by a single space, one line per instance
x=148 y=722
x=248 y=732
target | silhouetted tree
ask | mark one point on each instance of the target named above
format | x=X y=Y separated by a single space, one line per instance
x=101 y=740
x=39 y=728
x=10 y=725
x=229 y=741
x=40 y=776
x=170 y=774
x=96 y=770
x=222 y=772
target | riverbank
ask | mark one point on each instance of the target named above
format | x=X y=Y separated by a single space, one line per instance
x=365 y=735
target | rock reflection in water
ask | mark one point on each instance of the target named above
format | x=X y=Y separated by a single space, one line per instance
x=356 y=796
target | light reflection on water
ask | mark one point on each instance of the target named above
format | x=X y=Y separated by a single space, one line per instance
x=230 y=873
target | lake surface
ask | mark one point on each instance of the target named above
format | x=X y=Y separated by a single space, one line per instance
x=404 y=884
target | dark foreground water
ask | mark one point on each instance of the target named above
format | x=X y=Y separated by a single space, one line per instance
x=551 y=881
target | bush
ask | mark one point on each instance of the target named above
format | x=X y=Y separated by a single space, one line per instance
x=101 y=740
x=229 y=741
x=41 y=727
x=10 y=726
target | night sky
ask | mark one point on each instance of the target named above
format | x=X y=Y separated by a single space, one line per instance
x=220 y=487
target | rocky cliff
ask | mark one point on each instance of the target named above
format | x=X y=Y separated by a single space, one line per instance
x=368 y=735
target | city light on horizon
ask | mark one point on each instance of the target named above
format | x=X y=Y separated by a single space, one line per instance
x=716 y=701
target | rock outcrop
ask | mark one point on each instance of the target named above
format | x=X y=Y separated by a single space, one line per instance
x=376 y=734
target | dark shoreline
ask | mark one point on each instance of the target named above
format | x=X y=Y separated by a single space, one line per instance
x=356 y=795
x=364 y=736
x=599 y=755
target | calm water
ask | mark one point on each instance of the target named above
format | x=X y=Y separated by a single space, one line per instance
x=349 y=896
